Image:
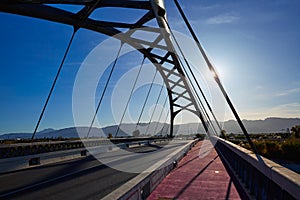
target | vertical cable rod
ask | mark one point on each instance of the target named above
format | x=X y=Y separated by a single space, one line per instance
x=104 y=90
x=162 y=86
x=161 y=113
x=54 y=82
x=130 y=95
x=145 y=102
x=164 y=124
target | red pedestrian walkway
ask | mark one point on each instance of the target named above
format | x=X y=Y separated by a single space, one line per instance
x=199 y=175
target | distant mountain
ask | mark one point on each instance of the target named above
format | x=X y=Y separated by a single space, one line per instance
x=75 y=132
x=267 y=125
x=48 y=130
x=15 y=136
x=72 y=132
x=26 y=135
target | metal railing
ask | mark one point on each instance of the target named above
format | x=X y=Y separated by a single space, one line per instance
x=62 y=151
x=15 y=150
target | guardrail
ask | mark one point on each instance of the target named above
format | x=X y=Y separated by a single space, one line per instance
x=23 y=162
x=32 y=160
x=259 y=177
x=15 y=150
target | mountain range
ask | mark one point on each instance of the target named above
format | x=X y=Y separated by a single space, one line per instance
x=268 y=125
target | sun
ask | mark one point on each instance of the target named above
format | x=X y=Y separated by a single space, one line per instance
x=216 y=73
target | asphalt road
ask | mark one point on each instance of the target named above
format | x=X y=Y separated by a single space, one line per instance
x=85 y=178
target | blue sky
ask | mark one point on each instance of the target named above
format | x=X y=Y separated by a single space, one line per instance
x=254 y=45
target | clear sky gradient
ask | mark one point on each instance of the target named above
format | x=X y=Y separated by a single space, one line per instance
x=254 y=45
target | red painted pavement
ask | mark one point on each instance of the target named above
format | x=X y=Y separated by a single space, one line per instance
x=199 y=175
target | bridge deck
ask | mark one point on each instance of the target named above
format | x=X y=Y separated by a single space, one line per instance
x=199 y=175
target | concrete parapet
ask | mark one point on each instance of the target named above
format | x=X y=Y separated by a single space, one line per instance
x=262 y=178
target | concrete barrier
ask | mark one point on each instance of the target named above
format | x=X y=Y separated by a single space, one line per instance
x=143 y=184
x=23 y=162
x=24 y=149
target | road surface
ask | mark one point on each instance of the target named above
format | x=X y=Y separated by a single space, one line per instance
x=85 y=178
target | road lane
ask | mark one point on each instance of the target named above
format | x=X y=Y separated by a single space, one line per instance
x=82 y=178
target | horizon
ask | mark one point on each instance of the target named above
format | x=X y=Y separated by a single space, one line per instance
x=112 y=125
x=253 y=45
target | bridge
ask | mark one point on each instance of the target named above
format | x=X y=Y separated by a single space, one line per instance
x=122 y=164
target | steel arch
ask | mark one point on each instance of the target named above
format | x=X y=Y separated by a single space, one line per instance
x=166 y=62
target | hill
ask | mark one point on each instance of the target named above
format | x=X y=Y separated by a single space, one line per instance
x=268 y=125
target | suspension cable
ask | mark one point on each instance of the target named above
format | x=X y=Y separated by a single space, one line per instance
x=206 y=113
x=161 y=113
x=209 y=121
x=168 y=127
x=54 y=82
x=75 y=28
x=199 y=99
x=131 y=93
x=194 y=77
x=104 y=90
x=145 y=102
x=202 y=108
x=162 y=86
x=164 y=124
x=210 y=66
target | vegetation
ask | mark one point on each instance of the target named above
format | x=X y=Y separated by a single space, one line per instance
x=281 y=146
x=18 y=141
x=200 y=136
x=136 y=133
x=223 y=134
x=284 y=150
x=296 y=131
